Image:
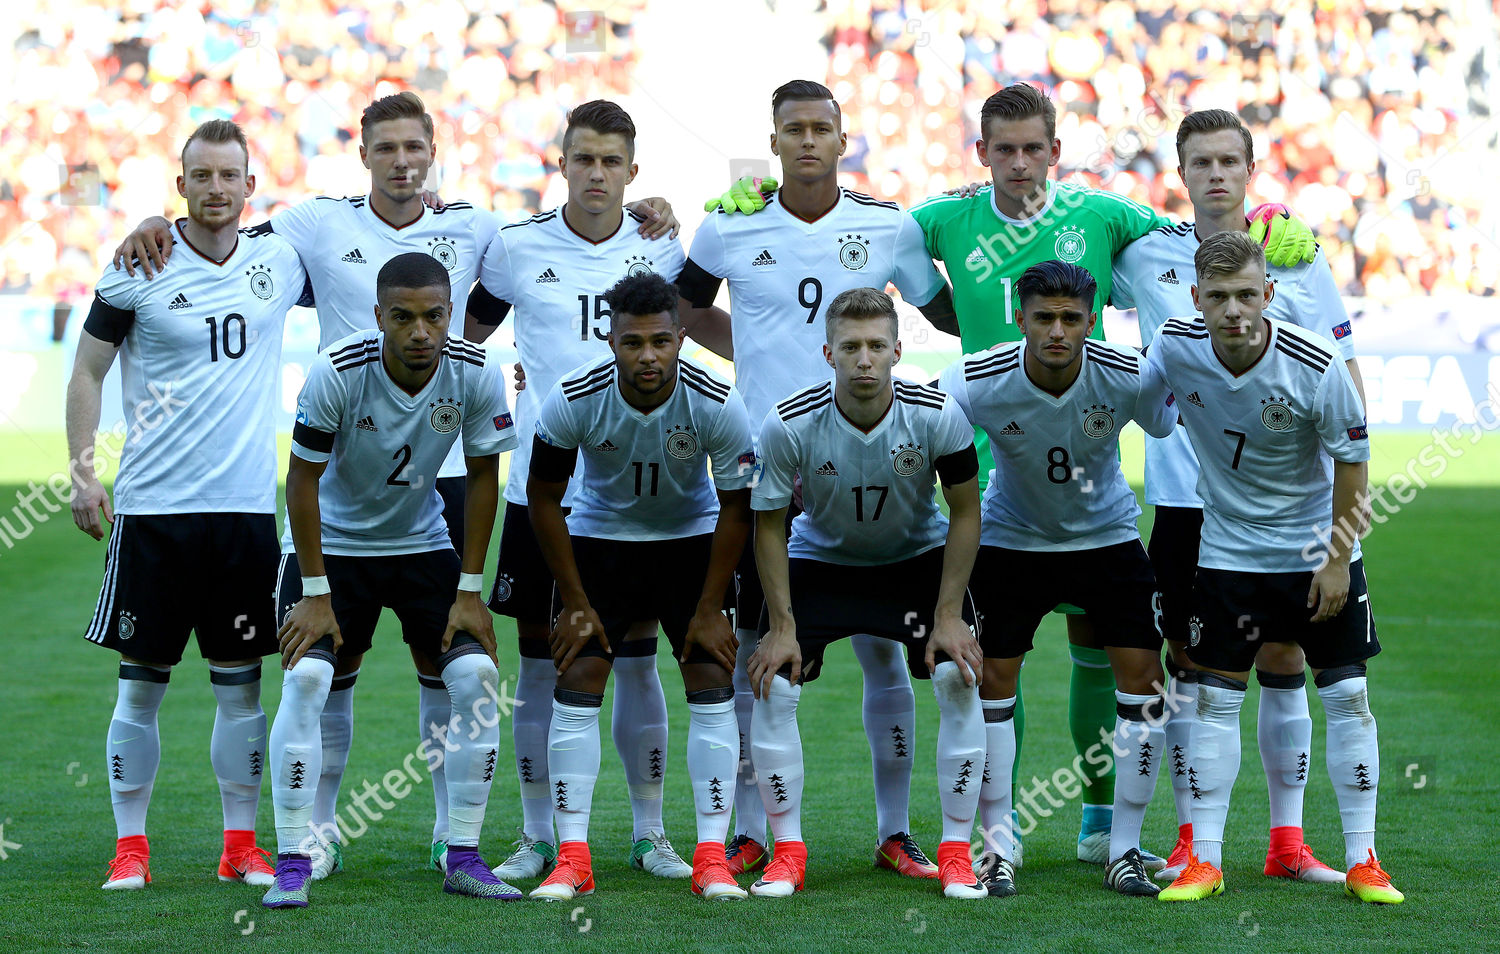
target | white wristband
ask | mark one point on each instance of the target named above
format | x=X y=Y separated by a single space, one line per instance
x=315 y=586
x=470 y=582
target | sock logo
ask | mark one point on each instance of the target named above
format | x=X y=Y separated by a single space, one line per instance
x=1145 y=758
x=1193 y=783
x=984 y=777
x=489 y=765
x=562 y=796
x=117 y=767
x=961 y=785
x=1301 y=766
x=255 y=763
x=525 y=766
x=778 y=788
x=1362 y=777
x=898 y=739
x=656 y=764
x=299 y=770
x=1179 y=761
x=716 y=793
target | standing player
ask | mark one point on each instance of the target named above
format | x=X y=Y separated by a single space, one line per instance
x=194 y=545
x=870 y=553
x=1279 y=560
x=647 y=539
x=814 y=241
x=401 y=393
x=1059 y=516
x=343 y=242
x=1215 y=156
x=552 y=269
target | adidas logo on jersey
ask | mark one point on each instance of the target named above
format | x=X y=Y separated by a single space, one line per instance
x=1193 y=400
x=975 y=258
x=827 y=470
x=1012 y=430
x=606 y=445
x=179 y=302
x=354 y=257
x=1169 y=277
x=764 y=258
x=547 y=277
x=366 y=423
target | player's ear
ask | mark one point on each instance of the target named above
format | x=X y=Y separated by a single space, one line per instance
x=843 y=142
x=773 y=145
x=1056 y=154
x=981 y=153
x=182 y=187
x=1093 y=320
x=249 y=185
x=364 y=157
x=1270 y=291
x=630 y=173
x=828 y=354
x=896 y=352
x=379 y=320
x=562 y=165
x=1196 y=303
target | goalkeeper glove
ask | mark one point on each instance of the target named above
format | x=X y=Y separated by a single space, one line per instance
x=747 y=195
x=1286 y=238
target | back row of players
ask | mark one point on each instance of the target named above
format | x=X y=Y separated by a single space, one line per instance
x=199 y=489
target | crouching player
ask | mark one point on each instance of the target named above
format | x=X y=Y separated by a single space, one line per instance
x=871 y=553
x=379 y=411
x=1059 y=527
x=1279 y=559
x=651 y=536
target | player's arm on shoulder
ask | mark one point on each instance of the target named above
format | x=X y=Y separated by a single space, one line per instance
x=958 y=474
x=658 y=219
x=1286 y=238
x=85 y=389
x=149 y=246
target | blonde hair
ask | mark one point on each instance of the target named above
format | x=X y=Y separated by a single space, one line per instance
x=1225 y=253
x=218 y=131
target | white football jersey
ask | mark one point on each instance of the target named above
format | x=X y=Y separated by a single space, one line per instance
x=1260 y=438
x=868 y=497
x=784 y=271
x=644 y=474
x=1057 y=483
x=556 y=280
x=344 y=243
x=1155 y=275
x=384 y=446
x=199 y=359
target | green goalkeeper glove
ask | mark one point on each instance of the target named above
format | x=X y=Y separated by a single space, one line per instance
x=746 y=195
x=1286 y=238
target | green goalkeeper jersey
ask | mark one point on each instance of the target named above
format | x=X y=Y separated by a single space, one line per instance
x=985 y=252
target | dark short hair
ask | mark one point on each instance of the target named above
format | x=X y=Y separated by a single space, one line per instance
x=1015 y=102
x=1055 y=279
x=412 y=270
x=860 y=303
x=402 y=105
x=644 y=294
x=218 y=131
x=603 y=117
x=1212 y=120
x=803 y=91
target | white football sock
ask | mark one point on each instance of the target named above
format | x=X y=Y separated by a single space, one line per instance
x=1138 y=733
x=995 y=792
x=639 y=726
x=1177 y=737
x=1213 y=764
x=297 y=753
x=1284 y=731
x=435 y=709
x=472 y=682
x=573 y=754
x=337 y=723
x=778 y=758
x=889 y=711
x=749 y=811
x=530 y=722
x=1353 y=762
x=237 y=748
x=133 y=749
x=713 y=753
x=960 y=750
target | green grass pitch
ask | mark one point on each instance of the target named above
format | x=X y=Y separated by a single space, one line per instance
x=1435 y=586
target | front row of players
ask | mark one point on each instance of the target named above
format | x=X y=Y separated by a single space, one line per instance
x=869 y=552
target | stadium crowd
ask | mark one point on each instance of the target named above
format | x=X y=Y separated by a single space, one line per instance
x=1371 y=117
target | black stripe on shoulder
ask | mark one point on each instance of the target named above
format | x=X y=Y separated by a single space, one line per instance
x=1319 y=367
x=914 y=389
x=579 y=395
x=719 y=397
x=805 y=396
x=460 y=346
x=1113 y=359
x=465 y=358
x=537 y=219
x=805 y=409
x=590 y=378
x=634 y=214
x=703 y=378
x=453 y=207
x=863 y=199
x=1302 y=344
x=358 y=201
x=356 y=350
x=977 y=372
x=338 y=198
x=359 y=362
x=1185 y=328
x=1181 y=228
x=918 y=402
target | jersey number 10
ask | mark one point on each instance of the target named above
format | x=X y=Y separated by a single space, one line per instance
x=221 y=338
